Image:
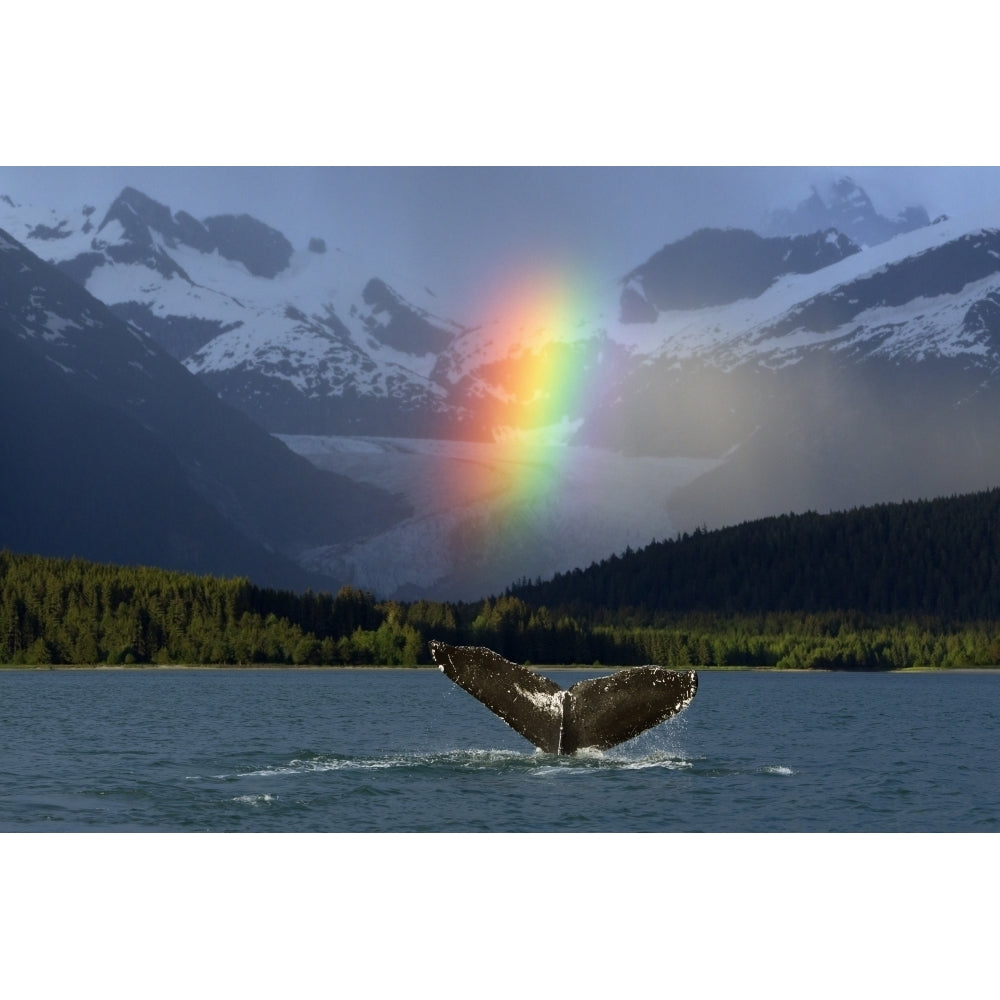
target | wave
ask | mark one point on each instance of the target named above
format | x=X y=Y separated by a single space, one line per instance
x=492 y=759
x=502 y=761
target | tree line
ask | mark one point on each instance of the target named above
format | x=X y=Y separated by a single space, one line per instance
x=885 y=587
x=929 y=557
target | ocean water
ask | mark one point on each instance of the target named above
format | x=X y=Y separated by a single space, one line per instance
x=365 y=751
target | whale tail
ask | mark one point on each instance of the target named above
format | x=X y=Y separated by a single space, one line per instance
x=593 y=714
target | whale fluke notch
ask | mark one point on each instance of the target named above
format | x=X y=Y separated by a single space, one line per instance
x=598 y=713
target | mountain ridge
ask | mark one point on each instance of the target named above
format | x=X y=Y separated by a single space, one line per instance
x=370 y=360
x=714 y=267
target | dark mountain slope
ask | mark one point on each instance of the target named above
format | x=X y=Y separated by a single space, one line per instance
x=165 y=419
x=714 y=267
x=81 y=480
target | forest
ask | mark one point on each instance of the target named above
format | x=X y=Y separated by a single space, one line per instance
x=892 y=586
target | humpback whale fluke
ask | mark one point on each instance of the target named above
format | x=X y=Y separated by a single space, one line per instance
x=598 y=713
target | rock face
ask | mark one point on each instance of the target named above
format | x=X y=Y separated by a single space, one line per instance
x=262 y=250
x=715 y=267
x=149 y=231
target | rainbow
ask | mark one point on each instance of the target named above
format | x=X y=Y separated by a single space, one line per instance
x=541 y=356
x=508 y=495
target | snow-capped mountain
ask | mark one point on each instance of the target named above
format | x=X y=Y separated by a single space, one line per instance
x=853 y=363
x=312 y=341
x=873 y=378
x=306 y=340
x=898 y=299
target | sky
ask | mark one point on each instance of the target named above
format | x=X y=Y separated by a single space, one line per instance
x=456 y=228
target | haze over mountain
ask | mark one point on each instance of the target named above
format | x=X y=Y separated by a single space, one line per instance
x=845 y=206
x=729 y=374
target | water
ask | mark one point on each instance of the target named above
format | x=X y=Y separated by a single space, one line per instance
x=408 y=751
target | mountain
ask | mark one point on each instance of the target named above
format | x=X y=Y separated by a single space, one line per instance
x=731 y=375
x=872 y=379
x=114 y=451
x=315 y=342
x=302 y=341
x=846 y=207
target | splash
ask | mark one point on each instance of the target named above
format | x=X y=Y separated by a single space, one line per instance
x=255 y=800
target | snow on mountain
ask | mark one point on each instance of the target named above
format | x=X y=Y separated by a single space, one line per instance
x=236 y=303
x=938 y=269
x=313 y=340
x=719 y=266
